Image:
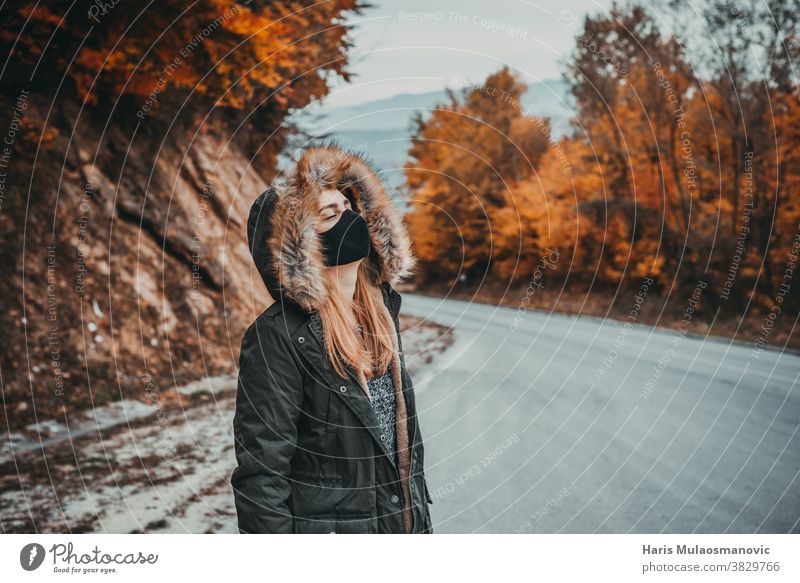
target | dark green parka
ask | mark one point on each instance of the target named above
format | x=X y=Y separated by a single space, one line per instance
x=307 y=442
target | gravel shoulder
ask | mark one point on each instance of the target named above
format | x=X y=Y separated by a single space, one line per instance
x=136 y=467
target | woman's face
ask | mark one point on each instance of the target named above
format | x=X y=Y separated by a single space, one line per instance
x=332 y=204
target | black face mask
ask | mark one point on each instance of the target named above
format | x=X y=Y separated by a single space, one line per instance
x=347 y=241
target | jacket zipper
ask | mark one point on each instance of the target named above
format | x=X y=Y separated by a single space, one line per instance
x=410 y=467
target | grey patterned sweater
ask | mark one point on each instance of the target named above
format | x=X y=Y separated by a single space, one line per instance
x=381 y=389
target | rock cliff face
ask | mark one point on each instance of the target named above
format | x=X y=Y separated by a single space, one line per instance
x=126 y=269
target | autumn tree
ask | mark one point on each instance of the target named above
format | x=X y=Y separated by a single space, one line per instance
x=467 y=158
x=747 y=120
x=682 y=161
x=249 y=62
x=692 y=124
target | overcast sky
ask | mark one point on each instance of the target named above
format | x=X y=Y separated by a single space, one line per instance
x=423 y=45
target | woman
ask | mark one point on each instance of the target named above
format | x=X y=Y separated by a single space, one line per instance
x=326 y=432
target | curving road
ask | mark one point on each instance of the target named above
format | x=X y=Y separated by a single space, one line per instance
x=564 y=424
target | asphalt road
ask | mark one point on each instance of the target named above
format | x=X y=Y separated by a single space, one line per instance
x=564 y=424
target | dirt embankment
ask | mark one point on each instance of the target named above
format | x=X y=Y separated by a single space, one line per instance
x=128 y=268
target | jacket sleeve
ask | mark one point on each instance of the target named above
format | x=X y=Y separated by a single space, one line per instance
x=268 y=405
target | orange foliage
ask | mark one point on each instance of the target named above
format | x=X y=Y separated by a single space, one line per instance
x=667 y=175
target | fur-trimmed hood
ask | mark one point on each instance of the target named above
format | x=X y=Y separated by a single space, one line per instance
x=287 y=250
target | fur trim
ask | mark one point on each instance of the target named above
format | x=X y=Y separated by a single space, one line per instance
x=403 y=451
x=295 y=247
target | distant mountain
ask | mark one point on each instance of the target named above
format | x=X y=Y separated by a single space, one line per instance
x=383 y=127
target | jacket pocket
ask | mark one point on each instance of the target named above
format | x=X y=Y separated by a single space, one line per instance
x=332 y=422
x=326 y=524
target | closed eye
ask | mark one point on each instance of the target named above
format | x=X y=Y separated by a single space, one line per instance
x=347 y=205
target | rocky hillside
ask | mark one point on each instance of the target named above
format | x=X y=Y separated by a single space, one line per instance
x=133 y=141
x=132 y=271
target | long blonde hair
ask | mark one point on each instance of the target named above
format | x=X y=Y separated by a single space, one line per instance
x=344 y=345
